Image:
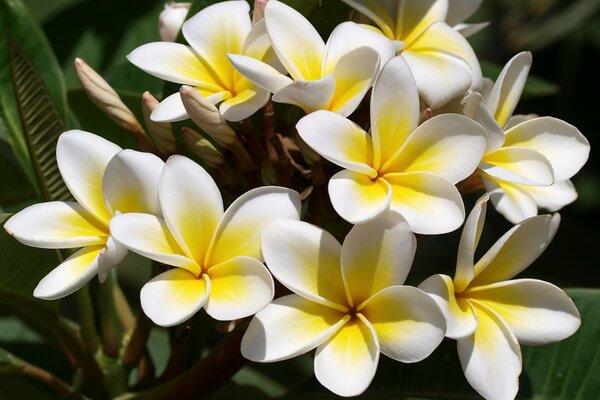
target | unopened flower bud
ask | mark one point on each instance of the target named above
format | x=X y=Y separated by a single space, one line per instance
x=161 y=132
x=171 y=19
x=202 y=147
x=259 y=11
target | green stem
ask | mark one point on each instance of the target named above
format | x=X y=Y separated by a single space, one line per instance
x=136 y=345
x=85 y=316
x=111 y=332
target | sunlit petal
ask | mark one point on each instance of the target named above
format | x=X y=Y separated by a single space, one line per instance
x=553 y=197
x=518 y=165
x=475 y=108
x=510 y=201
x=171 y=109
x=308 y=95
x=460 y=10
x=465 y=261
x=112 y=254
x=260 y=73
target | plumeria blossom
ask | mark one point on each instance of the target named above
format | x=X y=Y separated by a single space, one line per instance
x=528 y=161
x=216 y=254
x=408 y=168
x=459 y=11
x=489 y=314
x=333 y=76
x=216 y=30
x=105 y=181
x=440 y=58
x=349 y=302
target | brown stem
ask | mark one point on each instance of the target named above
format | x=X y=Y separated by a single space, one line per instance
x=256 y=149
x=126 y=317
x=57 y=385
x=269 y=128
x=136 y=345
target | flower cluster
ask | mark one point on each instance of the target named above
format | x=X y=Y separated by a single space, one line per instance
x=399 y=167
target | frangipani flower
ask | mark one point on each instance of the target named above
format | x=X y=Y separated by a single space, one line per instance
x=459 y=11
x=348 y=302
x=441 y=60
x=408 y=168
x=105 y=181
x=216 y=254
x=216 y=30
x=489 y=314
x=333 y=76
x=528 y=161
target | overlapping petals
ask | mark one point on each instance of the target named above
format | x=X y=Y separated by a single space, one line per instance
x=105 y=181
x=489 y=314
x=348 y=302
x=219 y=29
x=528 y=161
x=409 y=168
x=333 y=76
x=442 y=61
x=217 y=253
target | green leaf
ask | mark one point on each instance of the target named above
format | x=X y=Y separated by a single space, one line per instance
x=535 y=86
x=32 y=97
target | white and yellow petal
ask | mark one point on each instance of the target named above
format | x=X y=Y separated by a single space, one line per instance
x=383 y=13
x=460 y=10
x=248 y=100
x=339 y=140
x=430 y=204
x=56 y=225
x=537 y=312
x=491 y=357
x=346 y=363
x=476 y=109
x=305 y=259
x=309 y=95
x=71 y=275
x=174 y=296
x=518 y=165
x=240 y=287
x=150 y=237
x=191 y=204
x=510 y=200
x=82 y=158
x=262 y=74
x=553 y=197
x=461 y=320
x=291 y=325
x=112 y=254
x=131 y=181
x=239 y=231
x=449 y=145
x=376 y=255
x=408 y=323
x=357 y=198
x=171 y=109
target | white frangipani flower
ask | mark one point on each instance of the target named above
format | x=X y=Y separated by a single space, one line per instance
x=216 y=254
x=489 y=314
x=106 y=181
x=171 y=19
x=333 y=76
x=212 y=33
x=399 y=165
x=348 y=302
x=528 y=161
x=459 y=11
x=441 y=60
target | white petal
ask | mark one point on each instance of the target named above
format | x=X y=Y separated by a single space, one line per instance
x=430 y=204
x=308 y=95
x=149 y=236
x=517 y=119
x=339 y=140
x=216 y=30
x=468 y=30
x=174 y=296
x=475 y=108
x=347 y=362
x=448 y=145
x=516 y=250
x=260 y=73
x=240 y=287
x=491 y=357
x=469 y=239
x=173 y=62
x=408 y=323
x=71 y=275
x=82 y=158
x=561 y=143
x=112 y=254
x=357 y=198
x=460 y=10
x=305 y=259
x=441 y=74
x=191 y=204
x=518 y=165
x=349 y=36
x=382 y=13
x=131 y=181
x=288 y=327
x=553 y=197
x=240 y=229
x=170 y=109
x=461 y=320
x=244 y=104
x=537 y=312
x=394 y=109
x=56 y=225
x=509 y=200
x=296 y=42
x=509 y=86
x=376 y=255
